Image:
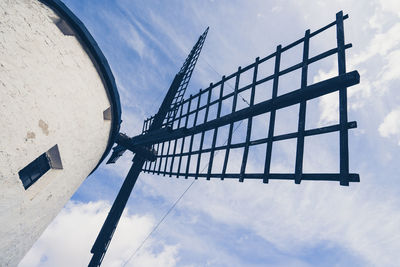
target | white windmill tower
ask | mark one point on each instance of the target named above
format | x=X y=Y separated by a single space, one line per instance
x=60 y=112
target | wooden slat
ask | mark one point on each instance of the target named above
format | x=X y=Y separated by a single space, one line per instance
x=343 y=134
x=203 y=132
x=229 y=141
x=192 y=136
x=302 y=113
x=249 y=123
x=282 y=101
x=214 y=141
x=271 y=128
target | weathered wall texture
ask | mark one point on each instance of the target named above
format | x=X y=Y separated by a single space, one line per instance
x=50 y=93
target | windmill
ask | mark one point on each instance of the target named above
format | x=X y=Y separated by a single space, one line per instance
x=166 y=144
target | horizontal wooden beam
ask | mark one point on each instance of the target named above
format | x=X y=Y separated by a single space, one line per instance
x=310 y=132
x=353 y=177
x=288 y=99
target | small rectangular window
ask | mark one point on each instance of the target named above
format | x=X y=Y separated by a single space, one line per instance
x=107 y=114
x=37 y=168
x=65 y=28
x=34 y=170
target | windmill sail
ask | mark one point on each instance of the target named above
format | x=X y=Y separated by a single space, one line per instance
x=199 y=123
x=182 y=78
x=186 y=73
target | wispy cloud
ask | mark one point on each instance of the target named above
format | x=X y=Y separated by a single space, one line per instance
x=81 y=221
x=390 y=127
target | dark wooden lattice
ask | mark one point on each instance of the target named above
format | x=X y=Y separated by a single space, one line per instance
x=177 y=156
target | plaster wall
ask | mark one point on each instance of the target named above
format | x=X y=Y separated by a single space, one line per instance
x=50 y=93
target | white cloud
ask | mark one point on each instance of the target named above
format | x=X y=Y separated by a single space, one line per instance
x=133 y=39
x=379 y=44
x=391 y=70
x=297 y=218
x=391 y=6
x=65 y=241
x=145 y=33
x=378 y=65
x=390 y=127
x=328 y=104
x=126 y=31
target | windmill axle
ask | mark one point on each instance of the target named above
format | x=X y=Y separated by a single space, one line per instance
x=145 y=152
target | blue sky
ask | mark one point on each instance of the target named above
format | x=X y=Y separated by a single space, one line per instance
x=226 y=223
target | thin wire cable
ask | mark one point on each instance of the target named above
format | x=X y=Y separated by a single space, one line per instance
x=243 y=99
x=185 y=191
x=173 y=206
x=158 y=224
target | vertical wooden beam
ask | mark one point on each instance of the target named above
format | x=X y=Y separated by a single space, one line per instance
x=192 y=136
x=161 y=158
x=302 y=112
x=176 y=142
x=183 y=138
x=344 y=134
x=155 y=162
x=267 y=166
x=214 y=141
x=166 y=158
x=144 y=126
x=249 y=123
x=203 y=132
x=229 y=141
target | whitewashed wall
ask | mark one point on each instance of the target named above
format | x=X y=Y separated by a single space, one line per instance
x=50 y=93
